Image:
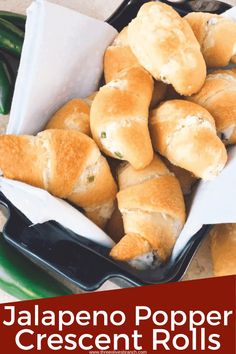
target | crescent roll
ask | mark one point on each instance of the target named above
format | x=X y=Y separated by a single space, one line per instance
x=119 y=57
x=66 y=163
x=119 y=117
x=153 y=211
x=216 y=35
x=185 y=134
x=218 y=96
x=74 y=115
x=165 y=45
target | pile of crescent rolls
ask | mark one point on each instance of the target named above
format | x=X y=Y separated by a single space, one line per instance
x=130 y=153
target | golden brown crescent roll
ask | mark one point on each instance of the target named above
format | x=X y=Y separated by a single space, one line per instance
x=118 y=57
x=119 y=114
x=73 y=115
x=185 y=134
x=66 y=163
x=153 y=211
x=223 y=249
x=218 y=96
x=119 y=117
x=165 y=46
x=216 y=35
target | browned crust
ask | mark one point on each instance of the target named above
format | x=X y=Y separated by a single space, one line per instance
x=161 y=194
x=218 y=96
x=194 y=147
x=102 y=189
x=21 y=159
x=216 y=35
x=68 y=151
x=73 y=115
x=153 y=211
x=55 y=160
x=129 y=247
x=118 y=57
x=165 y=45
x=128 y=176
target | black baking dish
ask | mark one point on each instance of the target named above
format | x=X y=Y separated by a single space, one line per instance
x=83 y=262
x=76 y=260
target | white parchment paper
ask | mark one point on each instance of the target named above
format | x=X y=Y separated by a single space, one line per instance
x=62 y=58
x=213 y=203
x=39 y=206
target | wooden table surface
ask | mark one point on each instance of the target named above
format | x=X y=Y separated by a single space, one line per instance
x=201 y=266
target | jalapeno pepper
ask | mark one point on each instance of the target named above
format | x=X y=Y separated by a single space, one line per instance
x=22 y=279
x=17 y=19
x=11 y=38
x=6 y=86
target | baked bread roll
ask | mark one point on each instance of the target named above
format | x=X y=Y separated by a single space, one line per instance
x=153 y=211
x=73 y=115
x=165 y=45
x=119 y=117
x=185 y=134
x=223 y=249
x=216 y=35
x=119 y=57
x=218 y=96
x=67 y=164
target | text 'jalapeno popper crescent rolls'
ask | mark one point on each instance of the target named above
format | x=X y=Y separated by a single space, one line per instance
x=216 y=35
x=185 y=134
x=218 y=96
x=166 y=46
x=152 y=206
x=67 y=164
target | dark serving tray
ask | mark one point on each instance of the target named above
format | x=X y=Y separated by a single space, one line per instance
x=128 y=9
x=75 y=259
x=82 y=262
